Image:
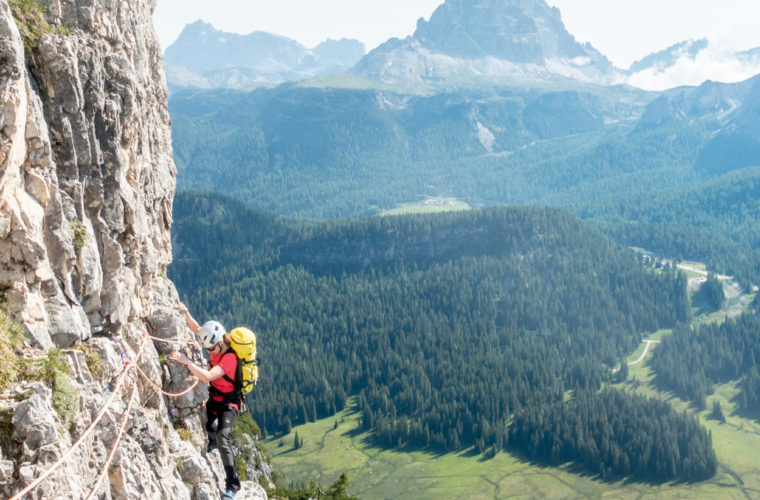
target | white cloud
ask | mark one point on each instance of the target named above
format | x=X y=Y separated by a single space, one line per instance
x=716 y=62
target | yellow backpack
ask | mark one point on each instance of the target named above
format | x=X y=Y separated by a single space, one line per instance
x=243 y=342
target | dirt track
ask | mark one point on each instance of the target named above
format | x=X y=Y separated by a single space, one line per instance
x=646 y=351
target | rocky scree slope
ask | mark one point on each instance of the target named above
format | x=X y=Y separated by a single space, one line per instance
x=86 y=188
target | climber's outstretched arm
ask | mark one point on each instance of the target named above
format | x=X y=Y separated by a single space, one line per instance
x=189 y=320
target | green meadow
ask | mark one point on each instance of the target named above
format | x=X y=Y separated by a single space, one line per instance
x=328 y=450
x=429 y=206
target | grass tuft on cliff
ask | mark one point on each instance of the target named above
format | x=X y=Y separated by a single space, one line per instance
x=32 y=23
x=65 y=398
x=11 y=335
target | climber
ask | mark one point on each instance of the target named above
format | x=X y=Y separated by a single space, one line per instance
x=223 y=403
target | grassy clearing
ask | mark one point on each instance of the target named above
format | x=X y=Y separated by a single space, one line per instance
x=355 y=82
x=690 y=273
x=430 y=206
x=635 y=355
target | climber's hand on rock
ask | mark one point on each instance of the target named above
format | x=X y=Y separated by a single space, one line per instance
x=179 y=358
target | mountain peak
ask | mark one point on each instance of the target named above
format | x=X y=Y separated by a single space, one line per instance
x=521 y=31
x=198 y=28
x=488 y=38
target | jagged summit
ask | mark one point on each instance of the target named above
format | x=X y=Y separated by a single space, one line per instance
x=343 y=52
x=488 y=38
x=521 y=31
x=198 y=27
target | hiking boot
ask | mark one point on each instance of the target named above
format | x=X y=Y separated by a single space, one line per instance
x=232 y=488
x=211 y=447
x=232 y=483
x=235 y=486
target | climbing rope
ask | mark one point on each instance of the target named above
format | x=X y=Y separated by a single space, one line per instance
x=159 y=389
x=197 y=352
x=127 y=365
x=124 y=421
x=65 y=456
x=167 y=341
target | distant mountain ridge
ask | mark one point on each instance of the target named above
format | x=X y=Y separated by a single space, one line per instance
x=205 y=57
x=465 y=42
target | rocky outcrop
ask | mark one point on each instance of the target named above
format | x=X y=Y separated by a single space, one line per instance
x=86 y=188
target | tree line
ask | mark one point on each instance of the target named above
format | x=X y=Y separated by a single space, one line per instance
x=617 y=435
x=691 y=361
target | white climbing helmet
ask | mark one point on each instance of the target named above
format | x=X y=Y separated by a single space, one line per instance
x=212 y=332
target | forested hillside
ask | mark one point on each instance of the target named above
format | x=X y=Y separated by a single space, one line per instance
x=716 y=220
x=349 y=152
x=445 y=326
x=640 y=172
x=640 y=436
x=692 y=361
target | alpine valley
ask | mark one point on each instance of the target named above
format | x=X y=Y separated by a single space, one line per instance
x=596 y=208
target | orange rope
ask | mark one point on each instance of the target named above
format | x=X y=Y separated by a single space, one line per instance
x=167 y=341
x=124 y=421
x=128 y=365
x=159 y=389
x=86 y=433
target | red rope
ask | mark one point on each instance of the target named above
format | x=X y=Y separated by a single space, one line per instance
x=125 y=419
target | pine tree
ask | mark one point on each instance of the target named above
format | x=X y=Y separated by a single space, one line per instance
x=717 y=412
x=297 y=442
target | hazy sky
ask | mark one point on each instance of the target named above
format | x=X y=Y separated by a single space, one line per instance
x=623 y=30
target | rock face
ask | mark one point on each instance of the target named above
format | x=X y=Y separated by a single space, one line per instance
x=87 y=171
x=86 y=188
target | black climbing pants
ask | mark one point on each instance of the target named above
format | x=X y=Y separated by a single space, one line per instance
x=220 y=420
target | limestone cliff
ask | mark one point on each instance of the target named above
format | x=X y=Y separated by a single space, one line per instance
x=86 y=187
